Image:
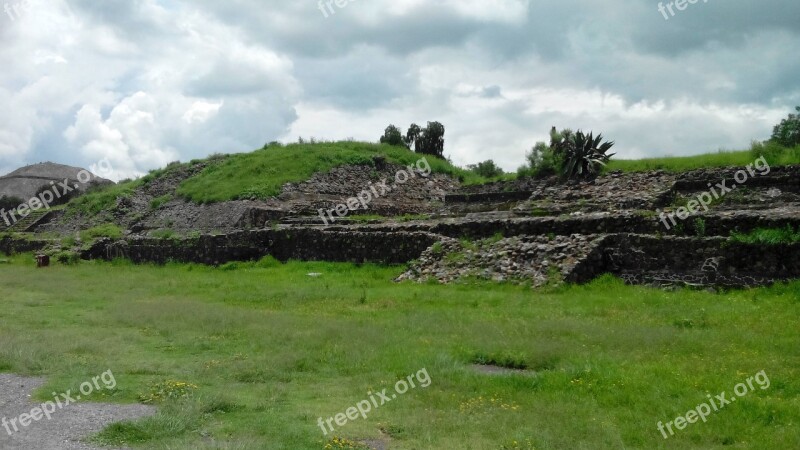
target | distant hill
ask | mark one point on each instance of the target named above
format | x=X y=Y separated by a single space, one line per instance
x=24 y=182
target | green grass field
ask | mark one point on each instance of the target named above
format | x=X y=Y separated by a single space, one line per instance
x=271 y=349
x=774 y=154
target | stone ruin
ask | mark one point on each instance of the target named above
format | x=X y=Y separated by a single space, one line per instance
x=525 y=231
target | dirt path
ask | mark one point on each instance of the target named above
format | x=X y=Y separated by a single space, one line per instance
x=66 y=428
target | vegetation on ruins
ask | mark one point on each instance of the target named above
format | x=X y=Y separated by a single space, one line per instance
x=428 y=140
x=486 y=169
x=769 y=236
x=570 y=154
x=581 y=155
x=392 y=136
x=8 y=203
x=787 y=133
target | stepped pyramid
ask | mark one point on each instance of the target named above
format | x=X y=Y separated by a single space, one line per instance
x=24 y=182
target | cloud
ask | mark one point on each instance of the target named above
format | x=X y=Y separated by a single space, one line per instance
x=145 y=82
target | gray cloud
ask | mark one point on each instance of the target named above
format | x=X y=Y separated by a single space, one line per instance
x=143 y=82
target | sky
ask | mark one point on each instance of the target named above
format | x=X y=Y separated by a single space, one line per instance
x=142 y=83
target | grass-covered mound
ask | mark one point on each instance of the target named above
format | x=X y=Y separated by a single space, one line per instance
x=262 y=173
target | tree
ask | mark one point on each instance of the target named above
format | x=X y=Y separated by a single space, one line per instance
x=541 y=162
x=392 y=136
x=787 y=133
x=428 y=140
x=433 y=140
x=9 y=203
x=63 y=199
x=486 y=169
x=412 y=138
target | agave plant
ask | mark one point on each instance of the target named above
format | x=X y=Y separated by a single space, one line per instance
x=583 y=155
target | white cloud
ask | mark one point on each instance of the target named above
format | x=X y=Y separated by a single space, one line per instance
x=146 y=82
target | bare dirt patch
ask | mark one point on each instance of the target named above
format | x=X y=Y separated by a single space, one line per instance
x=67 y=428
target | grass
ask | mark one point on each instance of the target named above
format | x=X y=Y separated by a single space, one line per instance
x=102 y=199
x=108 y=230
x=271 y=349
x=774 y=154
x=262 y=173
x=769 y=236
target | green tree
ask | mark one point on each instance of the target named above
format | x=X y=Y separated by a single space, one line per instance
x=412 y=138
x=392 y=136
x=432 y=140
x=787 y=133
x=541 y=161
x=486 y=169
x=8 y=203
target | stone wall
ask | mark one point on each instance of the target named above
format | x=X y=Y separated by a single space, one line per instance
x=10 y=245
x=307 y=244
x=698 y=261
x=597 y=223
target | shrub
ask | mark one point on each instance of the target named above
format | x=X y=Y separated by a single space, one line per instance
x=582 y=155
x=486 y=169
x=9 y=203
x=541 y=162
x=67 y=258
x=787 y=133
x=392 y=136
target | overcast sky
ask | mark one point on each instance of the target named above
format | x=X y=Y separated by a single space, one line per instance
x=147 y=82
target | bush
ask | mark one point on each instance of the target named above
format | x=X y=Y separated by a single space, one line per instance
x=582 y=155
x=486 y=169
x=573 y=155
x=392 y=136
x=541 y=162
x=67 y=258
x=787 y=133
x=9 y=203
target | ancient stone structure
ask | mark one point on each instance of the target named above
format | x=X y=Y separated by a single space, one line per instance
x=527 y=231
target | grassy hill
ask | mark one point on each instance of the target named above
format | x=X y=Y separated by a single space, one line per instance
x=775 y=155
x=262 y=173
